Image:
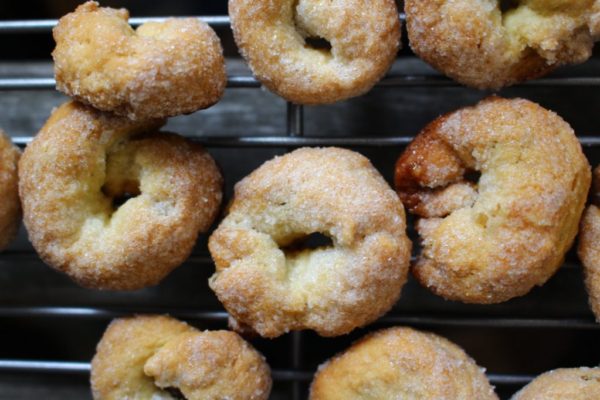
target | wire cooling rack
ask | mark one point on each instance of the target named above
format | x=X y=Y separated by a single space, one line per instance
x=536 y=315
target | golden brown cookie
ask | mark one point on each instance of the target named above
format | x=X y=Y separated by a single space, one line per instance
x=159 y=70
x=488 y=239
x=78 y=170
x=10 y=207
x=156 y=357
x=589 y=246
x=563 y=384
x=275 y=38
x=491 y=44
x=401 y=363
x=270 y=282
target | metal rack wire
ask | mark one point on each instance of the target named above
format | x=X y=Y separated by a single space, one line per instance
x=294 y=138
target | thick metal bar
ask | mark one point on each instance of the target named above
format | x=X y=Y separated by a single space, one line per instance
x=433 y=320
x=45 y=25
x=442 y=81
x=70 y=367
x=509 y=380
x=388 y=81
x=27 y=83
x=288 y=141
x=57 y=367
x=50 y=83
x=280 y=141
x=295 y=120
x=27 y=26
x=498 y=322
x=242 y=82
x=285 y=375
x=104 y=313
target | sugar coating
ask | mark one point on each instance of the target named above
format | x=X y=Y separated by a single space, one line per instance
x=271 y=35
x=82 y=159
x=10 y=206
x=330 y=289
x=139 y=357
x=161 y=69
x=477 y=44
x=562 y=384
x=589 y=247
x=494 y=240
x=401 y=363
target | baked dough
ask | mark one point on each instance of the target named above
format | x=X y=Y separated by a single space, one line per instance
x=589 y=247
x=495 y=237
x=401 y=363
x=270 y=283
x=154 y=357
x=274 y=36
x=72 y=177
x=161 y=69
x=480 y=44
x=563 y=384
x=10 y=207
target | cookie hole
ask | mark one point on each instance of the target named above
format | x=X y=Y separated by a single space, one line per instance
x=118 y=201
x=472 y=176
x=317 y=43
x=313 y=241
x=175 y=393
x=121 y=192
x=311 y=40
x=508 y=5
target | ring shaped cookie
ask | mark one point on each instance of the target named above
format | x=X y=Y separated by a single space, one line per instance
x=157 y=357
x=401 y=363
x=10 y=207
x=481 y=44
x=492 y=238
x=161 y=69
x=72 y=177
x=274 y=37
x=562 y=384
x=268 y=281
x=589 y=247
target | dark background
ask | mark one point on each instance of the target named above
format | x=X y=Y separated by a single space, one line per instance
x=505 y=348
x=38 y=46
